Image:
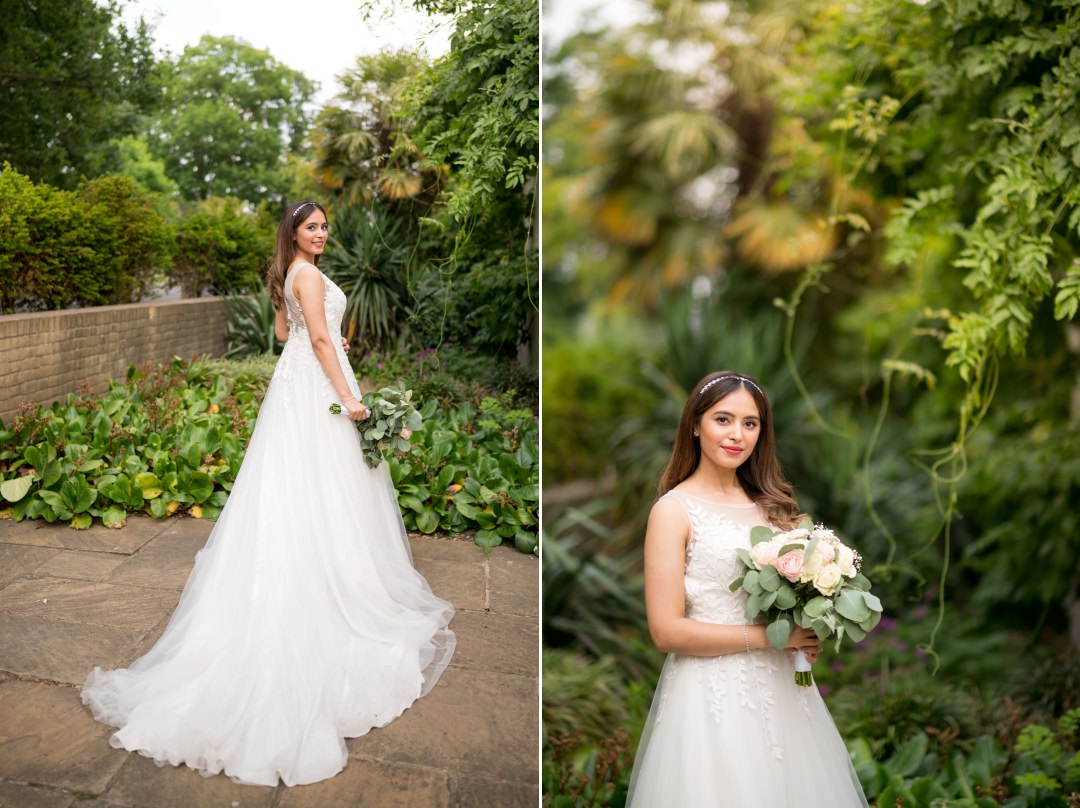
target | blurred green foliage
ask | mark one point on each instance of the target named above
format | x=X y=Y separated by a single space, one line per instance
x=872 y=208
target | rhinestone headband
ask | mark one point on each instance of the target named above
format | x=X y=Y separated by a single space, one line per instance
x=745 y=379
x=302 y=205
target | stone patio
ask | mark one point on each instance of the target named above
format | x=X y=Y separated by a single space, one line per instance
x=71 y=599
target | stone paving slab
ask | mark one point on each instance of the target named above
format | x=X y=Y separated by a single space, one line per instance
x=515 y=583
x=466 y=717
x=480 y=792
x=471 y=742
x=19 y=560
x=382 y=786
x=167 y=560
x=48 y=738
x=463 y=584
x=77 y=565
x=142 y=782
x=60 y=651
x=89 y=602
x=504 y=643
x=14 y=795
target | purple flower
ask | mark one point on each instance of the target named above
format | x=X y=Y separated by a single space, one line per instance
x=887 y=624
x=835 y=666
x=824 y=690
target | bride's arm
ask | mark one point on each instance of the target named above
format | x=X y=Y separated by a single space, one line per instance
x=665 y=596
x=309 y=288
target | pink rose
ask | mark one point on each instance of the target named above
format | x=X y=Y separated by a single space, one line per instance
x=406 y=433
x=790 y=565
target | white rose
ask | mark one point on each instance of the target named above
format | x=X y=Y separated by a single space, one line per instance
x=794 y=535
x=845 y=559
x=828 y=579
x=826 y=549
x=763 y=553
x=810 y=568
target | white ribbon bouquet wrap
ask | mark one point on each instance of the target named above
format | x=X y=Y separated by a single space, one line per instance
x=806 y=577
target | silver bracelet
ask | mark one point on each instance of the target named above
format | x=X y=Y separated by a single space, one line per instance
x=746 y=638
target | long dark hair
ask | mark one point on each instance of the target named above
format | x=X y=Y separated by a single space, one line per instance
x=760 y=476
x=285 y=249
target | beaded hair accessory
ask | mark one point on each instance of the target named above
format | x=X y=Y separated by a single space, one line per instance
x=300 y=207
x=740 y=378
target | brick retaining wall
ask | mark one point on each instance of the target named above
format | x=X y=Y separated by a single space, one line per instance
x=43 y=356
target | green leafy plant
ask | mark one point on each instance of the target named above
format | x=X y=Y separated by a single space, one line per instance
x=367 y=260
x=250 y=329
x=472 y=468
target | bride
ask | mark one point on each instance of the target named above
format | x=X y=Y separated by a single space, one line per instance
x=303 y=621
x=728 y=725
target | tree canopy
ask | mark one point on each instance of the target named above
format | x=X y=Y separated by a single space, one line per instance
x=231 y=113
x=72 y=79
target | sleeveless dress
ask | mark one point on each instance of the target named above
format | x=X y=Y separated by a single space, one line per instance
x=303 y=621
x=735 y=731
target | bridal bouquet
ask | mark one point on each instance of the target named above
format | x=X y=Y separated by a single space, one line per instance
x=806 y=577
x=390 y=422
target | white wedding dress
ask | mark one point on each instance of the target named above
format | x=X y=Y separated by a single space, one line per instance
x=735 y=731
x=303 y=621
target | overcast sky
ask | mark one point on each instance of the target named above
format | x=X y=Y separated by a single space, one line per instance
x=561 y=18
x=320 y=39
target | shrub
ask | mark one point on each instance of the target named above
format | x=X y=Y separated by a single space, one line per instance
x=101 y=244
x=221 y=248
x=449 y=374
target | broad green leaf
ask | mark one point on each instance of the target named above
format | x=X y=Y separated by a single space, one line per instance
x=785 y=597
x=816 y=607
x=770 y=579
x=81 y=521
x=14 y=490
x=114 y=516
x=752 y=583
x=850 y=604
x=427 y=521
x=760 y=533
x=778 y=632
x=908 y=758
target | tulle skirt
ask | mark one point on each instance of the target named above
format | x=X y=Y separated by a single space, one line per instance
x=303 y=621
x=736 y=731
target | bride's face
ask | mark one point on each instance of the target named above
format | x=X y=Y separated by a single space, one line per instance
x=728 y=431
x=311 y=234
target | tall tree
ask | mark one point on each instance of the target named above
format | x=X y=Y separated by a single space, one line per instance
x=72 y=79
x=232 y=113
x=362 y=149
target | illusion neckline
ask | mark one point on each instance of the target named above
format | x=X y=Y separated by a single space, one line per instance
x=713 y=501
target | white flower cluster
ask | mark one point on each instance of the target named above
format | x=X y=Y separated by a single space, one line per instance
x=829 y=562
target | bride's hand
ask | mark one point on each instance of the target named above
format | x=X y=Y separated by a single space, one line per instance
x=805 y=640
x=344 y=344
x=355 y=409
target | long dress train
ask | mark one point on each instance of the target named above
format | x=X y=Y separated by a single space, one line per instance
x=735 y=730
x=303 y=621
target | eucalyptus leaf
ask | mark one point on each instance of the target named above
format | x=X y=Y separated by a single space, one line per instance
x=778 y=632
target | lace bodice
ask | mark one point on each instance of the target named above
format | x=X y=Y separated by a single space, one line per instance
x=716 y=531
x=298 y=356
x=333 y=302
